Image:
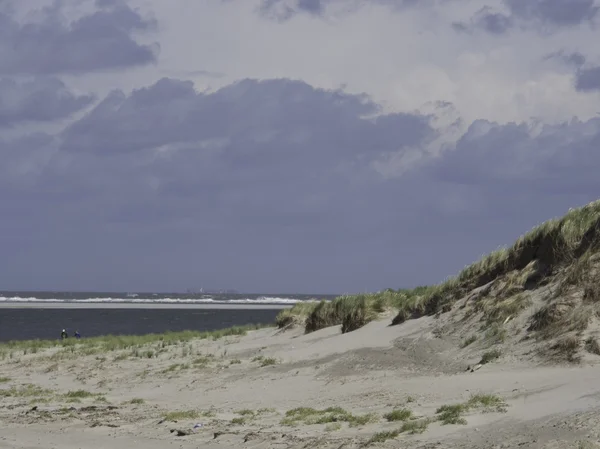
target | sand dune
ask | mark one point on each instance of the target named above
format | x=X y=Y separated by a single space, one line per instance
x=239 y=390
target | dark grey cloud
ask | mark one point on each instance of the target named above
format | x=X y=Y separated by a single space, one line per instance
x=257 y=175
x=171 y=112
x=559 y=158
x=554 y=12
x=269 y=186
x=38 y=100
x=283 y=10
x=543 y=14
x=588 y=79
x=574 y=59
x=487 y=20
x=51 y=45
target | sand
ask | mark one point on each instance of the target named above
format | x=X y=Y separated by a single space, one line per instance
x=373 y=370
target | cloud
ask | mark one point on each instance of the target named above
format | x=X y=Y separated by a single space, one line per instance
x=39 y=100
x=554 y=12
x=283 y=10
x=519 y=157
x=261 y=180
x=574 y=59
x=546 y=15
x=99 y=40
x=263 y=112
x=588 y=79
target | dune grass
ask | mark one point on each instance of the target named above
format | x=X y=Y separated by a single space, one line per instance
x=350 y=311
x=108 y=343
x=398 y=415
x=381 y=437
x=553 y=243
x=453 y=413
x=533 y=256
x=25 y=391
x=308 y=415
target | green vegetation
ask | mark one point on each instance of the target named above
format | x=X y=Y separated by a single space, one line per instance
x=180 y=415
x=349 y=311
x=240 y=420
x=398 y=415
x=4 y=380
x=94 y=345
x=414 y=427
x=79 y=394
x=268 y=361
x=25 y=391
x=453 y=413
x=333 y=427
x=175 y=367
x=265 y=361
x=308 y=415
x=137 y=401
x=380 y=437
x=552 y=244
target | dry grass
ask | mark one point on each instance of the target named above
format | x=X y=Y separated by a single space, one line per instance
x=415 y=427
x=381 y=437
x=498 y=311
x=468 y=341
x=490 y=356
x=592 y=345
x=453 y=413
x=552 y=244
x=139 y=344
x=350 y=311
x=398 y=415
x=307 y=415
x=567 y=347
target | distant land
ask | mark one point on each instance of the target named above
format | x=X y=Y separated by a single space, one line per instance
x=221 y=291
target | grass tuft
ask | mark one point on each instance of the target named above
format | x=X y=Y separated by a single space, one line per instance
x=307 y=415
x=453 y=413
x=592 y=345
x=398 y=415
x=381 y=437
x=181 y=415
x=490 y=356
x=415 y=427
x=552 y=244
x=467 y=341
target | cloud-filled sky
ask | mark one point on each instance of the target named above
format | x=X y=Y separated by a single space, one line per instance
x=318 y=146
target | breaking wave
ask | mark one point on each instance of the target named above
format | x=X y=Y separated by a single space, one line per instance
x=137 y=300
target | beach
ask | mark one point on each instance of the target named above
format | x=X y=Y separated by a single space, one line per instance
x=378 y=386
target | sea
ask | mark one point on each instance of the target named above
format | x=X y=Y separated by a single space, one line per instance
x=43 y=315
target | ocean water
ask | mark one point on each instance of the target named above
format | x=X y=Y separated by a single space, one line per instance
x=95 y=318
x=155 y=298
x=32 y=323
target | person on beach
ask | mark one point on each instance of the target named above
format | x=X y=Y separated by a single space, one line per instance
x=77 y=334
x=64 y=334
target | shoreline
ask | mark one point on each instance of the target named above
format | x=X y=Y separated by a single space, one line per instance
x=124 y=305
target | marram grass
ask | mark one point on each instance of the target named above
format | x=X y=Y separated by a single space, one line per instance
x=555 y=242
x=120 y=342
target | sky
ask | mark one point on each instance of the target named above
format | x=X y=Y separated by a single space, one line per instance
x=308 y=146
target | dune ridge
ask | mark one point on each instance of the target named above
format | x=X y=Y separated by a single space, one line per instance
x=503 y=355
